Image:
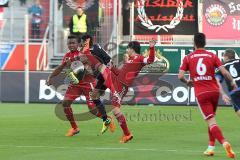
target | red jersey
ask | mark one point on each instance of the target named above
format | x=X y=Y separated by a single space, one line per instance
x=202 y=64
x=88 y=78
x=130 y=69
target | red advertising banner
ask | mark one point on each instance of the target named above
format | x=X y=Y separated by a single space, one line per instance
x=221 y=19
x=12 y=56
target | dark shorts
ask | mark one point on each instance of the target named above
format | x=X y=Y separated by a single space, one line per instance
x=235 y=97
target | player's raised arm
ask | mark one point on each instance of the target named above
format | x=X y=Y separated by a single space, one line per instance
x=151 y=57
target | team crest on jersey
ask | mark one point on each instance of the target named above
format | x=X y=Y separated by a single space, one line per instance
x=160 y=65
x=216 y=15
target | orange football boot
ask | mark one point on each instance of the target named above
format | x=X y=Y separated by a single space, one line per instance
x=72 y=132
x=125 y=138
x=229 y=150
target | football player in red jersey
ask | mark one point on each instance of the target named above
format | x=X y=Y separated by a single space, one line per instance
x=201 y=65
x=80 y=87
x=119 y=79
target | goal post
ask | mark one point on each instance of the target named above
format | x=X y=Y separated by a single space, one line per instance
x=26 y=59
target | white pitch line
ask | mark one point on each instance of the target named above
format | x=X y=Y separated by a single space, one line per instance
x=110 y=149
x=92 y=148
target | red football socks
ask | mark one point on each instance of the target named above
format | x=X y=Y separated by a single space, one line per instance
x=217 y=133
x=211 y=138
x=123 y=124
x=69 y=114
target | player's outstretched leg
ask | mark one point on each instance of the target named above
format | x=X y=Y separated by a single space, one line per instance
x=127 y=135
x=217 y=134
x=69 y=114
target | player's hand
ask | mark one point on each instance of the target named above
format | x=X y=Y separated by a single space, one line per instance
x=190 y=83
x=125 y=58
x=111 y=64
x=68 y=62
x=152 y=43
x=226 y=99
x=86 y=45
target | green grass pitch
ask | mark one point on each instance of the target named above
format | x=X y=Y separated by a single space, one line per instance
x=33 y=132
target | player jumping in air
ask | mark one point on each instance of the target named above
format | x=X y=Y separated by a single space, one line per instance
x=201 y=65
x=81 y=87
x=233 y=66
x=119 y=79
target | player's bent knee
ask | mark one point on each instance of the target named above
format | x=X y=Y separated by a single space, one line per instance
x=116 y=111
x=211 y=120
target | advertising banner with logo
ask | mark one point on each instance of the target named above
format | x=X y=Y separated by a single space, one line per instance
x=221 y=19
x=173 y=55
x=170 y=17
x=147 y=89
x=12 y=56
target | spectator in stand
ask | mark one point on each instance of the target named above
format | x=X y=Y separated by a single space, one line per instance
x=36 y=12
x=79 y=23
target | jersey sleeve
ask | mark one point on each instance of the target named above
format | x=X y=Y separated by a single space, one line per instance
x=217 y=62
x=185 y=65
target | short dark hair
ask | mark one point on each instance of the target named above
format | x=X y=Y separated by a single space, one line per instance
x=200 y=40
x=135 y=45
x=85 y=37
x=73 y=37
x=230 y=53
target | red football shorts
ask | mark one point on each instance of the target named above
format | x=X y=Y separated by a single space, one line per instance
x=117 y=89
x=74 y=91
x=207 y=103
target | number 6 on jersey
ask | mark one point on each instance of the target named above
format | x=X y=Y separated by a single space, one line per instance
x=201 y=68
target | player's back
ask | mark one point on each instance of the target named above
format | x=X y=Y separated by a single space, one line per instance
x=130 y=69
x=202 y=65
